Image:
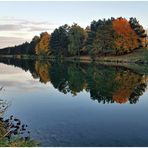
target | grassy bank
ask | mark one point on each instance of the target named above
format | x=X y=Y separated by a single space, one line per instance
x=138 y=56
x=17 y=142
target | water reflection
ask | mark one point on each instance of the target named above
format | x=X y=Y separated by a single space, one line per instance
x=105 y=84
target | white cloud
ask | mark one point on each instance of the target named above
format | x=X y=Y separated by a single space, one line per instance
x=9 y=27
x=14 y=31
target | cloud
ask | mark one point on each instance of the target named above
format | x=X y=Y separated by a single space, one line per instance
x=14 y=24
x=39 y=29
x=14 y=31
x=24 y=21
x=9 y=27
x=22 y=27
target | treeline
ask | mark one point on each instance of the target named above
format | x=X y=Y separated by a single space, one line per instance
x=111 y=36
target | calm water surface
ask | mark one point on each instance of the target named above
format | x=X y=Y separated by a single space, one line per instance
x=73 y=104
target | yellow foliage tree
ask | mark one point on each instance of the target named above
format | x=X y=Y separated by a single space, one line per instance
x=42 y=46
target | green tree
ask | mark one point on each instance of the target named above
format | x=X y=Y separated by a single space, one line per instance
x=100 y=37
x=76 y=39
x=139 y=31
x=59 y=41
x=33 y=44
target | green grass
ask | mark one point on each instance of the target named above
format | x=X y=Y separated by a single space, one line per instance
x=138 y=56
x=17 y=142
x=14 y=141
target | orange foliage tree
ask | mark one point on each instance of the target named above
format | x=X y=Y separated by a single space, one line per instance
x=125 y=38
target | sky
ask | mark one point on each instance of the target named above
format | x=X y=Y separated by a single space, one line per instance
x=20 y=21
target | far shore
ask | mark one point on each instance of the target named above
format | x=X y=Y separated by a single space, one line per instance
x=139 y=56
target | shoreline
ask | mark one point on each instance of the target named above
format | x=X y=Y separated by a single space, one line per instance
x=139 y=56
x=86 y=59
x=137 y=65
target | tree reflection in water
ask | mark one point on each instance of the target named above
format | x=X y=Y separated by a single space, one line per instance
x=105 y=84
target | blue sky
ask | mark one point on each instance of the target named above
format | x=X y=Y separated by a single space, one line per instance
x=22 y=20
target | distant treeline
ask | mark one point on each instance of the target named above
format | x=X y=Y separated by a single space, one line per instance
x=111 y=36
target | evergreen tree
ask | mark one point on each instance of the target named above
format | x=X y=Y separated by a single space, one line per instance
x=139 y=31
x=32 y=45
x=59 y=41
x=76 y=40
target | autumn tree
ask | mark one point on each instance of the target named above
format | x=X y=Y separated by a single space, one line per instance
x=125 y=38
x=42 y=47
